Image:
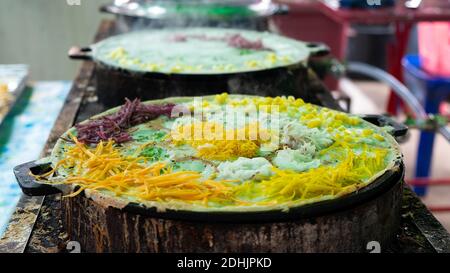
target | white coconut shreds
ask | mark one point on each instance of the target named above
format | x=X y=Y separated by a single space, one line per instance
x=244 y=169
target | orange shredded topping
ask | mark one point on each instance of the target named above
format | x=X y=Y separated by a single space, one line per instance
x=104 y=168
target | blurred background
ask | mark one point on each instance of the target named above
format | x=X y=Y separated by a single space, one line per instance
x=40 y=32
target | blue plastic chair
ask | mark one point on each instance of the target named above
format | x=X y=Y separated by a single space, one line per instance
x=431 y=91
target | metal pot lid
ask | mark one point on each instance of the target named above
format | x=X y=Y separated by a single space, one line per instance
x=200 y=51
x=201 y=9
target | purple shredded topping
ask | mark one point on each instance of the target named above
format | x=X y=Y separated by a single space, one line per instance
x=113 y=126
x=238 y=41
x=234 y=40
x=179 y=38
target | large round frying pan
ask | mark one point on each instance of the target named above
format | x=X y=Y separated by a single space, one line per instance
x=344 y=224
x=114 y=82
x=384 y=182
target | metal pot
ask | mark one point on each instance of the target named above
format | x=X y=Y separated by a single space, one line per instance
x=142 y=14
x=115 y=82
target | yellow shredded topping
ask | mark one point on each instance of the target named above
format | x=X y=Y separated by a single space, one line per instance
x=287 y=185
x=213 y=141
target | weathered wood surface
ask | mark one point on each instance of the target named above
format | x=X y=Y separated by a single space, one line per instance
x=50 y=236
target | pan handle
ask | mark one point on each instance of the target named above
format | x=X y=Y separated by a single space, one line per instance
x=28 y=183
x=80 y=53
x=317 y=49
x=399 y=130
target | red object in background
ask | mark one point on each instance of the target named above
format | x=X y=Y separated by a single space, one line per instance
x=439 y=208
x=305 y=21
x=429 y=182
x=444 y=109
x=434 y=47
x=396 y=51
x=315 y=20
x=432 y=182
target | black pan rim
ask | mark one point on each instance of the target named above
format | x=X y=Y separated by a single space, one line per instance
x=182 y=76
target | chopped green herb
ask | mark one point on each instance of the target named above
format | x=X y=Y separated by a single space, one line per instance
x=245 y=51
x=154 y=153
x=148 y=135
